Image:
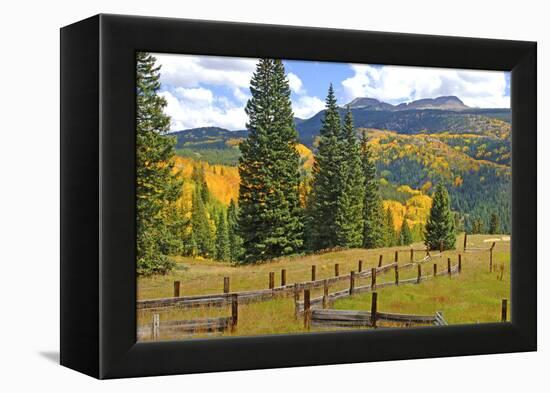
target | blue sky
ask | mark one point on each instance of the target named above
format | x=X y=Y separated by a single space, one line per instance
x=212 y=91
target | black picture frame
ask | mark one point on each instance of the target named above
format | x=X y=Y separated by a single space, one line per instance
x=98 y=275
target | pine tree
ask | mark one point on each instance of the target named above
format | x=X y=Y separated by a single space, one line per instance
x=269 y=208
x=199 y=177
x=405 y=235
x=326 y=187
x=200 y=227
x=440 y=228
x=494 y=225
x=157 y=187
x=222 y=238
x=390 y=235
x=349 y=207
x=235 y=241
x=373 y=213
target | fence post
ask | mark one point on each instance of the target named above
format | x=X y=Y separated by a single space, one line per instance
x=336 y=269
x=427 y=250
x=412 y=254
x=491 y=258
x=459 y=263
x=396 y=270
x=156 y=326
x=307 y=311
x=283 y=277
x=271 y=280
x=380 y=261
x=435 y=270
x=360 y=266
x=176 y=289
x=234 y=311
x=226 y=285
x=373 y=279
x=465 y=240
x=396 y=259
x=449 y=266
x=419 y=267
x=351 y=282
x=504 y=309
x=296 y=298
x=441 y=247
x=373 y=308
x=325 y=293
x=313 y=271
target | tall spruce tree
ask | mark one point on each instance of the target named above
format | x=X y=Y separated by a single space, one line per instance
x=494 y=224
x=373 y=213
x=326 y=188
x=199 y=177
x=405 y=235
x=440 y=227
x=349 y=207
x=235 y=241
x=390 y=234
x=269 y=208
x=223 y=250
x=200 y=227
x=157 y=187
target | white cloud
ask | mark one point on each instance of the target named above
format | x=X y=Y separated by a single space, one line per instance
x=191 y=71
x=241 y=95
x=396 y=84
x=306 y=106
x=188 y=111
x=198 y=96
x=295 y=83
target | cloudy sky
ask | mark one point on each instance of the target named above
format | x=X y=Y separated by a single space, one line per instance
x=212 y=91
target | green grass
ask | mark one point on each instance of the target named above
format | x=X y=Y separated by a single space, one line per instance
x=472 y=297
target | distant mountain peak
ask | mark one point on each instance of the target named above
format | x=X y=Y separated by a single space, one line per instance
x=370 y=104
x=442 y=103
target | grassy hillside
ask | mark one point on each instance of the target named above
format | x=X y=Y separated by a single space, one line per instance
x=472 y=297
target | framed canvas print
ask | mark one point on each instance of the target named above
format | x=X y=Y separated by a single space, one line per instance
x=239 y=196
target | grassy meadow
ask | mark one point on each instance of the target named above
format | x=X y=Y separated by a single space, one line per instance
x=471 y=297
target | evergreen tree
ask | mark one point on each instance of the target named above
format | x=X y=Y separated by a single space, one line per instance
x=390 y=235
x=494 y=225
x=405 y=235
x=200 y=227
x=440 y=228
x=327 y=184
x=373 y=212
x=223 y=250
x=269 y=208
x=349 y=207
x=235 y=241
x=157 y=187
x=199 y=178
x=477 y=226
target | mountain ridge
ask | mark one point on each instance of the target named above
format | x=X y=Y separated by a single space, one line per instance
x=441 y=103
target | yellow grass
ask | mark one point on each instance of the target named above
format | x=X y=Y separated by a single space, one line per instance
x=472 y=297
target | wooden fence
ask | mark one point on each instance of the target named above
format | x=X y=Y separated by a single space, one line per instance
x=192 y=326
x=327 y=298
x=354 y=318
x=222 y=299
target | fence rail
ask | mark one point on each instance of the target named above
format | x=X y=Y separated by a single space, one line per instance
x=191 y=326
x=222 y=299
x=327 y=298
x=354 y=318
